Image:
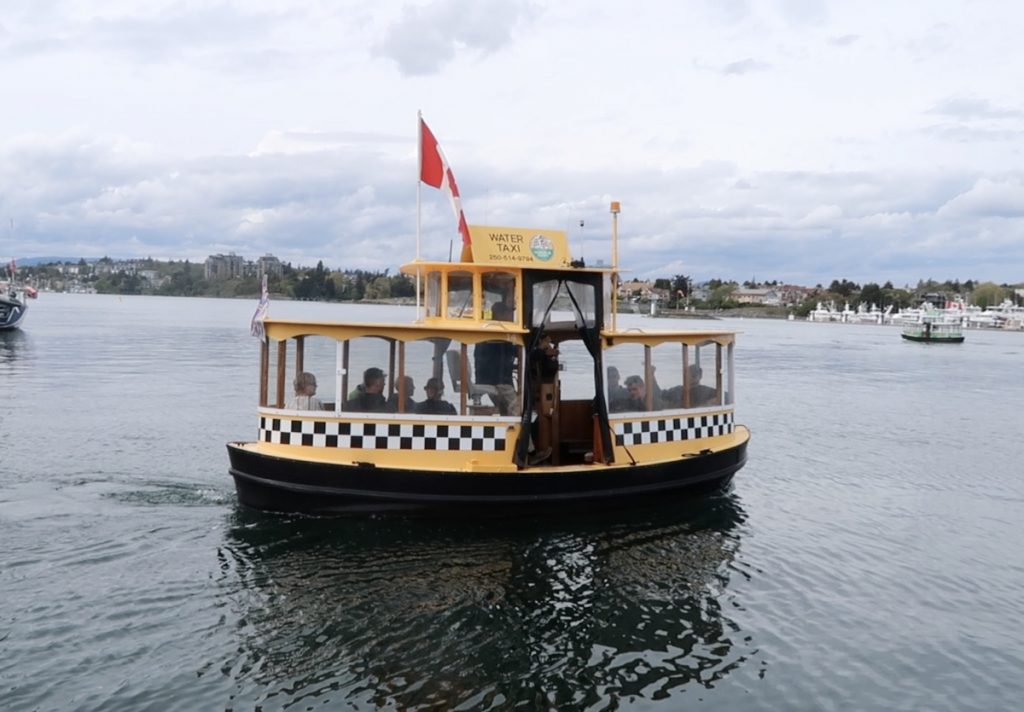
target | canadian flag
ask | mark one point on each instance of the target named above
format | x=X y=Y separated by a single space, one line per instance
x=435 y=172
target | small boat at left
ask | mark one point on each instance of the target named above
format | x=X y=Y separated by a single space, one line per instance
x=13 y=300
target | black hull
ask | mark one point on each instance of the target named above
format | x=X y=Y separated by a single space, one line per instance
x=284 y=485
x=929 y=340
x=12 y=313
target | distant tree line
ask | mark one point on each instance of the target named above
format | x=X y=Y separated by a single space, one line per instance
x=183 y=278
x=718 y=294
x=844 y=291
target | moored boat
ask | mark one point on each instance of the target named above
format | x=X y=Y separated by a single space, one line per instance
x=13 y=306
x=932 y=330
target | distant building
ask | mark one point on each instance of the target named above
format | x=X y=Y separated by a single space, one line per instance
x=700 y=292
x=756 y=296
x=269 y=265
x=219 y=267
x=934 y=298
x=792 y=295
x=636 y=290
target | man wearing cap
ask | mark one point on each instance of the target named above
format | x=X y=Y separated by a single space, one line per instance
x=369 y=397
x=435 y=404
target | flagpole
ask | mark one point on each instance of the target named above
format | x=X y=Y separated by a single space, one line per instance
x=615 y=261
x=419 y=176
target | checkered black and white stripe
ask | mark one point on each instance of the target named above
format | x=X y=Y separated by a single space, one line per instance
x=666 y=430
x=381 y=436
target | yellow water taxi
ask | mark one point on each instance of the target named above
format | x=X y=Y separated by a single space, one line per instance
x=513 y=388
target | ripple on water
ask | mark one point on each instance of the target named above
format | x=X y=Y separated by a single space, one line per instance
x=868 y=557
x=417 y=614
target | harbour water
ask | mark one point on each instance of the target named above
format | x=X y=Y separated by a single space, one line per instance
x=868 y=556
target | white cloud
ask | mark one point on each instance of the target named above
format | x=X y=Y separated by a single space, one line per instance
x=987 y=199
x=821 y=216
x=427 y=37
x=797 y=139
x=745 y=66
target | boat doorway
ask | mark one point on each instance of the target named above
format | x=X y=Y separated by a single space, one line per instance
x=563 y=312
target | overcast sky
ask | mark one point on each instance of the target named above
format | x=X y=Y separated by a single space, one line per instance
x=793 y=140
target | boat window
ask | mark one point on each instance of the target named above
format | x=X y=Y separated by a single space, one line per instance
x=421 y=361
x=433 y=297
x=607 y=290
x=576 y=377
x=560 y=296
x=543 y=295
x=483 y=379
x=277 y=379
x=666 y=376
x=622 y=363
x=703 y=375
x=476 y=379
x=367 y=360
x=498 y=287
x=318 y=357
x=302 y=373
x=585 y=298
x=460 y=295
x=728 y=379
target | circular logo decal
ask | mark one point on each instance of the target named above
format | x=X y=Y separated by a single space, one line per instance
x=542 y=247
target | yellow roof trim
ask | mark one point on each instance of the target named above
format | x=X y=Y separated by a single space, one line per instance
x=653 y=338
x=472 y=332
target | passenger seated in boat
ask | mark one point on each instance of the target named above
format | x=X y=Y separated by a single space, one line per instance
x=369 y=397
x=434 y=405
x=700 y=395
x=410 y=404
x=305 y=393
x=617 y=393
x=494 y=364
x=637 y=391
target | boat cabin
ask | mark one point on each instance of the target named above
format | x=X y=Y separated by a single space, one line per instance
x=519 y=349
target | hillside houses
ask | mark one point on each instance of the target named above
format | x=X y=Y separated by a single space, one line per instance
x=638 y=291
x=768 y=297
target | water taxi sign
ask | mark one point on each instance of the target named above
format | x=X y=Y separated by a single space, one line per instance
x=519 y=246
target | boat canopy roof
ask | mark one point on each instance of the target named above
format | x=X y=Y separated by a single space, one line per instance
x=473 y=332
x=424 y=267
x=653 y=338
x=469 y=332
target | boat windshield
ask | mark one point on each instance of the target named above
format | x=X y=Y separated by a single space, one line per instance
x=564 y=303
